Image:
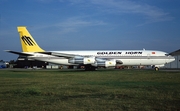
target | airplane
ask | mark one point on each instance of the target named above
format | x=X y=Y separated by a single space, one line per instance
x=91 y=59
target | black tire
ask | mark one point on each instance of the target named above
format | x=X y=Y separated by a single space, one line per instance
x=156 y=69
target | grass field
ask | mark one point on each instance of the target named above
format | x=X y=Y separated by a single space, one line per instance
x=73 y=90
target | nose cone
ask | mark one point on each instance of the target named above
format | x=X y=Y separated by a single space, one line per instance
x=171 y=59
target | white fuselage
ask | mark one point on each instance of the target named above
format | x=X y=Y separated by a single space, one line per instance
x=127 y=57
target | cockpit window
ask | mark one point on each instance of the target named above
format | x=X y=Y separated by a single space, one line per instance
x=166 y=54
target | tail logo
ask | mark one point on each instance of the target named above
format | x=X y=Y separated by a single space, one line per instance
x=28 y=41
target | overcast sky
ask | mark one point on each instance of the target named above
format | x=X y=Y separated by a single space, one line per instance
x=91 y=24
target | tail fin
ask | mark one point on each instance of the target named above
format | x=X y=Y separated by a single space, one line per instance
x=27 y=41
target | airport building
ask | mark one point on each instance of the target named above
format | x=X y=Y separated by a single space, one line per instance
x=23 y=62
x=176 y=63
x=29 y=63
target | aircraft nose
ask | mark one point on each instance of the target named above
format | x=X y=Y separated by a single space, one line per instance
x=172 y=58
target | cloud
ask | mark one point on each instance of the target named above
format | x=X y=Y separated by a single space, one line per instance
x=79 y=22
x=150 y=13
x=73 y=24
x=45 y=1
x=138 y=8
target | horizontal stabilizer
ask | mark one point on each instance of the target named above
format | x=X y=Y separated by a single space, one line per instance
x=19 y=53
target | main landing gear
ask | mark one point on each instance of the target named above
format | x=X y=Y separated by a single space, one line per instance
x=155 y=68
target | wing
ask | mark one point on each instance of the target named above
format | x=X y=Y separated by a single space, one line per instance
x=78 y=59
x=60 y=54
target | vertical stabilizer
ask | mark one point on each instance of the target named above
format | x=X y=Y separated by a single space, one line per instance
x=27 y=41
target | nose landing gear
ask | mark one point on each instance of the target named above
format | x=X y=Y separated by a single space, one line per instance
x=156 y=69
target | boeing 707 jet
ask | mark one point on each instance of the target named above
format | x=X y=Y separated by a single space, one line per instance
x=91 y=59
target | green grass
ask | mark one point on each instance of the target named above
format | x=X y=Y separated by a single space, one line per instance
x=78 y=90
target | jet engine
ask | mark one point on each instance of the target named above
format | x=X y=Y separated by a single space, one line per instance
x=106 y=63
x=82 y=60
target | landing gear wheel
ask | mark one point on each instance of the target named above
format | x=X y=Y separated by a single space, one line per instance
x=156 y=69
